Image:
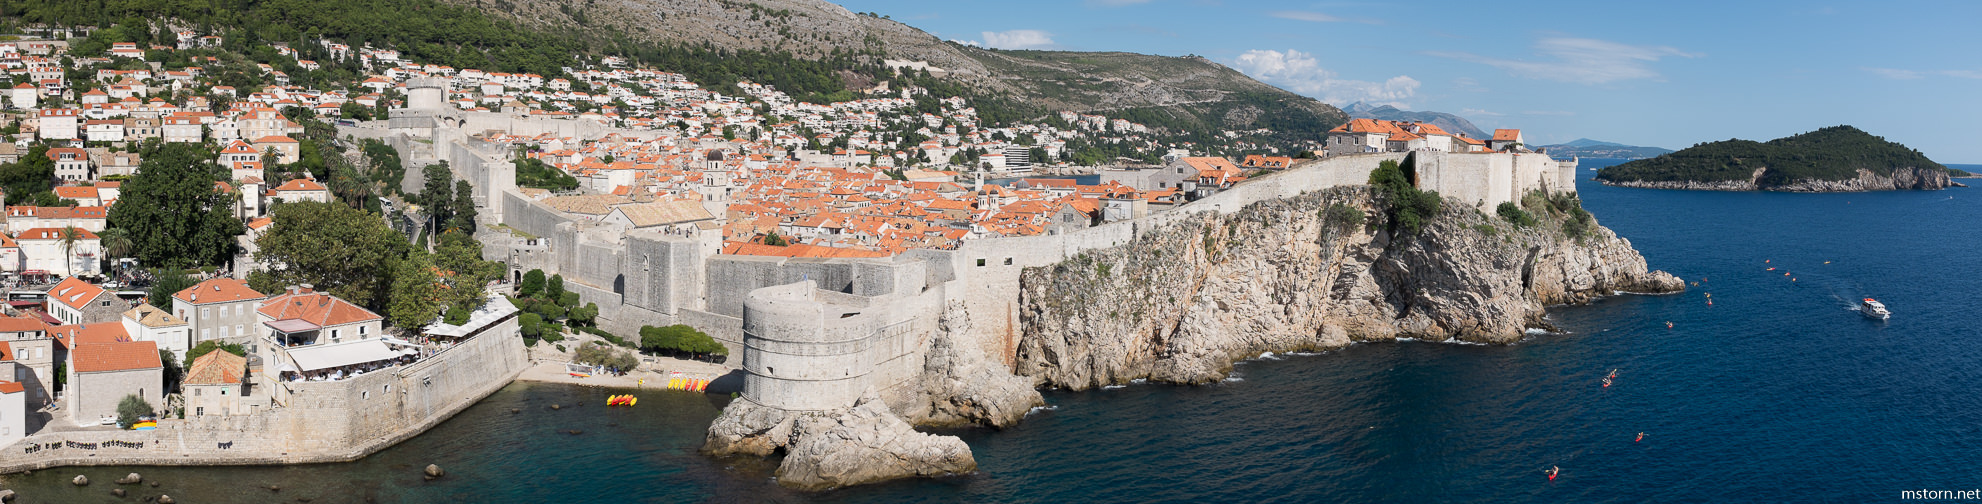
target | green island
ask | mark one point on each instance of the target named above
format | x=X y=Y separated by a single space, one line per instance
x=1837 y=158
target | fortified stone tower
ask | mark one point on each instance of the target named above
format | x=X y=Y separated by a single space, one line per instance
x=803 y=354
x=426 y=94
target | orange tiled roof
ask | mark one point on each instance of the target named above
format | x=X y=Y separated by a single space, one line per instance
x=74 y=293
x=317 y=308
x=218 y=290
x=217 y=368
x=122 y=356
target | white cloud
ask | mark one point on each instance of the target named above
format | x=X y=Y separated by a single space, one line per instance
x=1018 y=39
x=1582 y=61
x=1894 y=73
x=1903 y=74
x=1308 y=16
x=1318 y=17
x=1301 y=73
x=1480 y=112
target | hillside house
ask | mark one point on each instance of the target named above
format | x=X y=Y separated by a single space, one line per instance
x=1506 y=140
x=218 y=309
x=74 y=301
x=13 y=409
x=217 y=384
x=105 y=366
x=72 y=164
x=44 y=251
x=26 y=343
x=150 y=323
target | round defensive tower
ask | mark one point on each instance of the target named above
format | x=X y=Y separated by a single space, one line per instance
x=802 y=354
x=426 y=94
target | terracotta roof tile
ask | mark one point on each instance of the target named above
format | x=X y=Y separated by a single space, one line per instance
x=218 y=290
x=217 y=368
x=315 y=307
x=121 y=356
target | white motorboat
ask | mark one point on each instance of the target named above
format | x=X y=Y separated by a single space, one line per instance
x=1873 y=309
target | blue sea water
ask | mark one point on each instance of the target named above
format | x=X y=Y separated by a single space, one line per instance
x=1774 y=393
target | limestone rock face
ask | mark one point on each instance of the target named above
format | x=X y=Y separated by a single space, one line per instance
x=746 y=428
x=1183 y=301
x=961 y=386
x=865 y=443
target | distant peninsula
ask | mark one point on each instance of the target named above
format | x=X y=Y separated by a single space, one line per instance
x=1587 y=148
x=1833 y=159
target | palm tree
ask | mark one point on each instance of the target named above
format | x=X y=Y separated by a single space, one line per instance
x=116 y=243
x=69 y=236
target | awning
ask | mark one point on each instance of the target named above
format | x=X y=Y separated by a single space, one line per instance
x=313 y=358
x=396 y=341
x=292 y=326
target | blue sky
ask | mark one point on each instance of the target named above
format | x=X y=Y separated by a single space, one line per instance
x=1664 y=73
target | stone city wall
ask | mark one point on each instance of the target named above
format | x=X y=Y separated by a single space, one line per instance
x=325 y=422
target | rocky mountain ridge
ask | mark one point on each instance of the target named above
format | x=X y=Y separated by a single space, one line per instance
x=1178 y=92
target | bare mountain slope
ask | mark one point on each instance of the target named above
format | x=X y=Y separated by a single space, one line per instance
x=1178 y=94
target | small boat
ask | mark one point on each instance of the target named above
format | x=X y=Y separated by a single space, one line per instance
x=1873 y=309
x=622 y=400
x=578 y=371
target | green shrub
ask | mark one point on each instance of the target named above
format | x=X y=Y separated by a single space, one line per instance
x=1409 y=208
x=1486 y=229
x=1343 y=216
x=1515 y=214
x=130 y=408
x=533 y=283
x=679 y=339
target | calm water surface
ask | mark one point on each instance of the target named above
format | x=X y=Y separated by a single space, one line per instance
x=1776 y=392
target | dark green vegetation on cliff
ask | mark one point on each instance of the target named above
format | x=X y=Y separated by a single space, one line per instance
x=1835 y=153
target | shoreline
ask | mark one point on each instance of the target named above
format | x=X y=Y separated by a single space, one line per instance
x=650 y=376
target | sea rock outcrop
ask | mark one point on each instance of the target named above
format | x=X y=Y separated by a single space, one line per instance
x=961 y=386
x=1319 y=271
x=865 y=443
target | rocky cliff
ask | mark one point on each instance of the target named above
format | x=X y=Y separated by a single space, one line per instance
x=1905 y=178
x=865 y=443
x=1319 y=271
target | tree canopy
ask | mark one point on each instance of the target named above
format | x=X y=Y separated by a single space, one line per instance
x=345 y=251
x=1833 y=153
x=171 y=212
